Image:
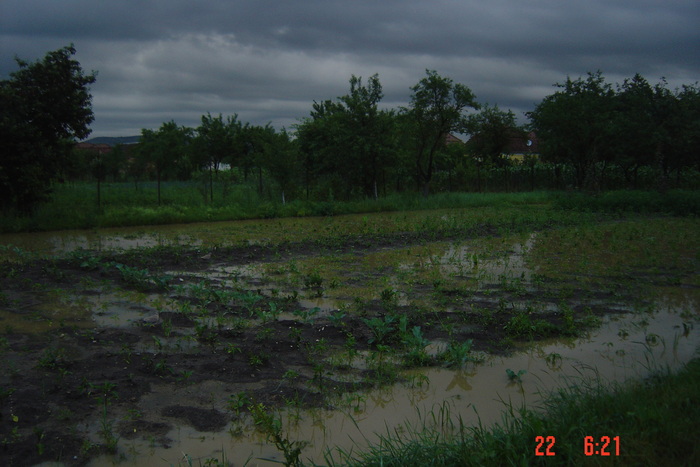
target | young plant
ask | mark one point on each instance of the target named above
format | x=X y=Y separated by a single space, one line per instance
x=271 y=425
x=456 y=354
x=514 y=377
x=416 y=344
x=380 y=328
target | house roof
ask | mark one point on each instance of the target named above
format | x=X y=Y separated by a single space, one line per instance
x=523 y=144
x=519 y=143
x=451 y=139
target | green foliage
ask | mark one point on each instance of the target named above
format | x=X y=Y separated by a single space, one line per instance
x=142 y=278
x=640 y=413
x=587 y=124
x=271 y=425
x=415 y=344
x=522 y=325
x=44 y=106
x=352 y=137
x=167 y=151
x=515 y=377
x=456 y=354
x=381 y=328
x=675 y=202
x=436 y=108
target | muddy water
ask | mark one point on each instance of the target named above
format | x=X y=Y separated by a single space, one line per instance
x=626 y=346
x=123 y=238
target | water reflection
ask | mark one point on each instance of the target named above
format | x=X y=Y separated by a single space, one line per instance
x=621 y=349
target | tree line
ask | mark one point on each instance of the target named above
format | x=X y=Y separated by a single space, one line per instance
x=591 y=133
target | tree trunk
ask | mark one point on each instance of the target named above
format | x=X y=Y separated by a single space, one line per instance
x=260 y=181
x=211 y=186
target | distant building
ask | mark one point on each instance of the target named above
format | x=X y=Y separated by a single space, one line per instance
x=452 y=139
x=521 y=145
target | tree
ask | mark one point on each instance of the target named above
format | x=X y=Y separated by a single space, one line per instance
x=686 y=147
x=166 y=151
x=492 y=130
x=368 y=136
x=216 y=141
x=280 y=158
x=576 y=125
x=437 y=107
x=44 y=107
x=636 y=125
x=350 y=139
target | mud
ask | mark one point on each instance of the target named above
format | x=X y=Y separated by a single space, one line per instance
x=104 y=350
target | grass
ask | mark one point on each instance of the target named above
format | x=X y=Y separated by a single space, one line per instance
x=655 y=420
x=74 y=206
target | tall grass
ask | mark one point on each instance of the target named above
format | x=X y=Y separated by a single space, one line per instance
x=74 y=206
x=655 y=419
x=675 y=202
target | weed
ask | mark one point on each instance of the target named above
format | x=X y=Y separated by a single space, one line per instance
x=380 y=327
x=515 y=377
x=162 y=368
x=271 y=426
x=554 y=360
x=456 y=354
x=337 y=318
x=307 y=315
x=313 y=280
x=233 y=349
x=185 y=375
x=416 y=344
x=257 y=360
x=290 y=375
x=52 y=359
x=389 y=299
x=239 y=401
x=521 y=325
x=205 y=333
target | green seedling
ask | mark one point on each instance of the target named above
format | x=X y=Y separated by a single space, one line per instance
x=271 y=425
x=380 y=328
x=515 y=377
x=456 y=354
x=416 y=344
x=239 y=401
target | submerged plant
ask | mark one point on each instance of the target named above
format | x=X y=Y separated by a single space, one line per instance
x=416 y=343
x=271 y=425
x=456 y=354
x=515 y=377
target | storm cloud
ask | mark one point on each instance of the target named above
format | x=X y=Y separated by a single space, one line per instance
x=267 y=61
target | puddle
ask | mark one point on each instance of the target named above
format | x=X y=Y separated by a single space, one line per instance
x=440 y=276
x=626 y=346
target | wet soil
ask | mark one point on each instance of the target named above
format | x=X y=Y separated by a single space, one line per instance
x=69 y=392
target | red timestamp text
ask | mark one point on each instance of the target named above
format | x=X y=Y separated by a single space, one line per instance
x=603 y=446
x=545 y=446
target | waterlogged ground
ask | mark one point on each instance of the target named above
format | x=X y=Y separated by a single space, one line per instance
x=153 y=345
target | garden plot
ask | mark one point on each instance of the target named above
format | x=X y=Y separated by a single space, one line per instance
x=149 y=351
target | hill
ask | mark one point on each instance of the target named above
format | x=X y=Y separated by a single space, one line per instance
x=114 y=140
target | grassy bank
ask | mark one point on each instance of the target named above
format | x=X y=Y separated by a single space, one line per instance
x=75 y=206
x=655 y=420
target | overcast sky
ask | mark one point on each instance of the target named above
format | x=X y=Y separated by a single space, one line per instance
x=267 y=61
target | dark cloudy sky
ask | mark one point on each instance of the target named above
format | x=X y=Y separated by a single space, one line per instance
x=269 y=60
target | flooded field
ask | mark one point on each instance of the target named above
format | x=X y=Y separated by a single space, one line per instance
x=167 y=345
